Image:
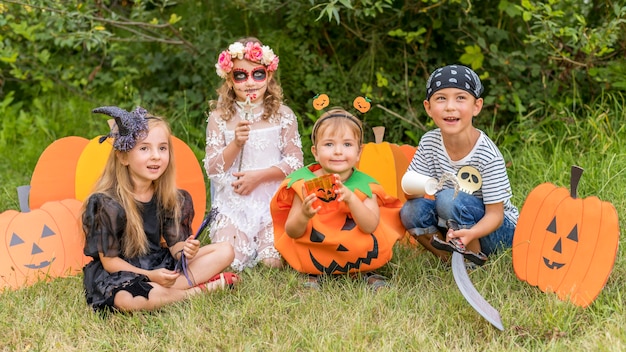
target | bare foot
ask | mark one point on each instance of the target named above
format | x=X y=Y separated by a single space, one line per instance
x=424 y=240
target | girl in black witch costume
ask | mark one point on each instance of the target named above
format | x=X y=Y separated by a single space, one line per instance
x=138 y=225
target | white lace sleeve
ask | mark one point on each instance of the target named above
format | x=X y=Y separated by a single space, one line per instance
x=215 y=145
x=290 y=143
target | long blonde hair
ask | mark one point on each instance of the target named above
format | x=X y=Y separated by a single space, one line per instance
x=225 y=103
x=116 y=182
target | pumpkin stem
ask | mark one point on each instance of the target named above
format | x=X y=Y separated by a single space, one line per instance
x=379 y=133
x=22 y=195
x=576 y=173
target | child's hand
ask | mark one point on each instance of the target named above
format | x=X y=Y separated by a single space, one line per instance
x=465 y=235
x=242 y=131
x=164 y=277
x=191 y=247
x=246 y=182
x=307 y=204
x=343 y=193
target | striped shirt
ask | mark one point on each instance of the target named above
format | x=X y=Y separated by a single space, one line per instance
x=431 y=158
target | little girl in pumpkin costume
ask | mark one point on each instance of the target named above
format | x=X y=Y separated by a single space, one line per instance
x=356 y=237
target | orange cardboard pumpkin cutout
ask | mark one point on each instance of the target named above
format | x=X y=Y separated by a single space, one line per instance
x=41 y=243
x=91 y=165
x=189 y=177
x=386 y=162
x=56 y=166
x=70 y=167
x=564 y=244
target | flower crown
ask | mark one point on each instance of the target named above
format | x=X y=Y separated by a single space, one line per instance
x=252 y=51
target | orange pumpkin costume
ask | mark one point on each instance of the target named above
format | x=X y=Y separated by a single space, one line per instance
x=332 y=242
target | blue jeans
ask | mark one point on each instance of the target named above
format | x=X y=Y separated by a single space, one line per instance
x=426 y=216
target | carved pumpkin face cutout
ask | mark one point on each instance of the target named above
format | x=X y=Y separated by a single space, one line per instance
x=564 y=244
x=469 y=179
x=341 y=254
x=41 y=243
x=562 y=249
x=32 y=248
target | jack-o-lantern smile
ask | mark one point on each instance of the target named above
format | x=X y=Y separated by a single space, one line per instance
x=334 y=266
x=326 y=195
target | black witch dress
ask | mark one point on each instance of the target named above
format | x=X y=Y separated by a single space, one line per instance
x=104 y=223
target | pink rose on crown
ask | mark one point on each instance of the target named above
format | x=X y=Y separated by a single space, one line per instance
x=224 y=64
x=254 y=52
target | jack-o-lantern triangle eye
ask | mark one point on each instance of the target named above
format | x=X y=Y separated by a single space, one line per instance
x=316 y=236
x=552 y=226
x=573 y=235
x=46 y=232
x=15 y=240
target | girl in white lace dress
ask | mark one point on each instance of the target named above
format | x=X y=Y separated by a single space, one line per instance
x=252 y=144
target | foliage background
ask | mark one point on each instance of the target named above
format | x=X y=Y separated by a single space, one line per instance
x=535 y=58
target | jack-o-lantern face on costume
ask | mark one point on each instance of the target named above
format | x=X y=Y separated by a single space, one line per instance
x=351 y=261
x=565 y=244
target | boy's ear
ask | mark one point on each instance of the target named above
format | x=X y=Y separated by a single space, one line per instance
x=427 y=107
x=478 y=106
